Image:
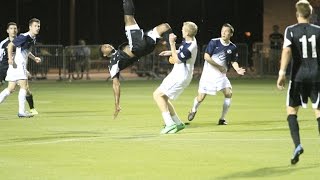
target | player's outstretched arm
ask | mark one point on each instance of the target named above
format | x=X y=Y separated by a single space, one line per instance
x=238 y=69
x=33 y=57
x=116 y=92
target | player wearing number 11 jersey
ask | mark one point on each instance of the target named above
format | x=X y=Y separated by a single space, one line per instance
x=302 y=43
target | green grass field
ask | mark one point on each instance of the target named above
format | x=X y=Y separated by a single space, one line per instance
x=75 y=137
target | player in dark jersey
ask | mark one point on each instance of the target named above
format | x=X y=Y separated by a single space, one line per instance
x=139 y=44
x=12 y=31
x=302 y=43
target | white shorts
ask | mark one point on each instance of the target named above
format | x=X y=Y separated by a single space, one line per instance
x=15 y=74
x=213 y=86
x=173 y=88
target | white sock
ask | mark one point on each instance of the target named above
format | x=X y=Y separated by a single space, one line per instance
x=22 y=100
x=225 y=108
x=5 y=93
x=196 y=105
x=167 y=119
x=176 y=119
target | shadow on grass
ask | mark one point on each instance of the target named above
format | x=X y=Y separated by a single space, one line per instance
x=269 y=172
x=45 y=138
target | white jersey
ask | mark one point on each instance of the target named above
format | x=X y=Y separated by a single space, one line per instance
x=181 y=74
x=23 y=44
x=212 y=80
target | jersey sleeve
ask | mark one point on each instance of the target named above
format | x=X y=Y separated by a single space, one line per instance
x=18 y=41
x=287 y=38
x=234 y=55
x=210 y=48
x=184 y=54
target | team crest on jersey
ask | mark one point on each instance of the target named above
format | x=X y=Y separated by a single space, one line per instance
x=229 y=51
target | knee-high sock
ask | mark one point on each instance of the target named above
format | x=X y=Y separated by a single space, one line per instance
x=167 y=119
x=29 y=99
x=5 y=93
x=176 y=119
x=196 y=105
x=22 y=100
x=318 y=119
x=225 y=107
x=294 y=129
x=128 y=7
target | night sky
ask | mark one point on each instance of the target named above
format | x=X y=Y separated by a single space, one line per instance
x=101 y=21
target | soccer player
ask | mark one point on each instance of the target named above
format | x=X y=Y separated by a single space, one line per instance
x=17 y=72
x=179 y=77
x=139 y=44
x=219 y=55
x=301 y=43
x=12 y=31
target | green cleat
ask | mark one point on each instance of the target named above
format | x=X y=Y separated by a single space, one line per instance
x=167 y=129
x=181 y=126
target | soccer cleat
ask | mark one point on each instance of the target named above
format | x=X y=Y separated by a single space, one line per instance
x=222 y=122
x=34 y=111
x=191 y=115
x=25 y=115
x=297 y=152
x=167 y=129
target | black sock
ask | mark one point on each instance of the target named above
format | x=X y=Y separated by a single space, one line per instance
x=29 y=99
x=128 y=7
x=318 y=119
x=294 y=129
x=165 y=36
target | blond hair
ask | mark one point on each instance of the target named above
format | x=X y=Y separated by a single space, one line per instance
x=304 y=9
x=192 y=28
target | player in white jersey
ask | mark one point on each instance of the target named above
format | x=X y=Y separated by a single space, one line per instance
x=17 y=72
x=179 y=78
x=12 y=31
x=220 y=54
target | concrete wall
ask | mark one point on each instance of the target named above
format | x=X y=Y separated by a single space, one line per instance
x=280 y=12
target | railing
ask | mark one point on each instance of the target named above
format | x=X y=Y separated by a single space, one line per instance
x=84 y=62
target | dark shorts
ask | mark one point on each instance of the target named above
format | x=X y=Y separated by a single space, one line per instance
x=141 y=44
x=3 y=72
x=300 y=92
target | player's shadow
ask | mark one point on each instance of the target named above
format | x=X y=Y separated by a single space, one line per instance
x=269 y=171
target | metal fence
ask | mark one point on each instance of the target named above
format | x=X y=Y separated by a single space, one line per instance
x=84 y=62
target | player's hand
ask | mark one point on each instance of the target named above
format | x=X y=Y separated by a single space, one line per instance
x=11 y=62
x=281 y=82
x=116 y=112
x=222 y=69
x=241 y=71
x=37 y=59
x=165 y=53
x=172 y=38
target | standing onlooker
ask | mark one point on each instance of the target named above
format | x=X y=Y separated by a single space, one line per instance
x=179 y=77
x=17 y=72
x=276 y=40
x=220 y=54
x=301 y=44
x=83 y=53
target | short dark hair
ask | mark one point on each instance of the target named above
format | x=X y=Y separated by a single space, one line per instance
x=229 y=26
x=34 y=20
x=10 y=24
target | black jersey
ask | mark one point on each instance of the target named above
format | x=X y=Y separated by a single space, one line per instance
x=120 y=60
x=4 y=52
x=304 y=41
